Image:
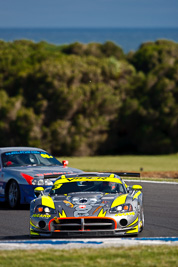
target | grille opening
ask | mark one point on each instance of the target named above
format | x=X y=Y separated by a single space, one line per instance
x=42 y=224
x=123 y=222
x=67 y=224
x=83 y=224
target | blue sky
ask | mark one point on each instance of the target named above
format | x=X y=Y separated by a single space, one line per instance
x=88 y=13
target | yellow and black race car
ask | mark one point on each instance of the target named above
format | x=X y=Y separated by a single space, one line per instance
x=87 y=204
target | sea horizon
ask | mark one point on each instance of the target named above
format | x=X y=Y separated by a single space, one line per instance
x=128 y=38
x=88 y=27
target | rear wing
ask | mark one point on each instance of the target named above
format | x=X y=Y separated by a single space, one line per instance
x=127 y=174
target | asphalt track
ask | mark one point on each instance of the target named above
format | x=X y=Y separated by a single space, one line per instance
x=160 y=207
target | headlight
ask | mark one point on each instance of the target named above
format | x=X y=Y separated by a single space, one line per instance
x=48 y=182
x=37 y=181
x=41 y=181
x=121 y=208
x=44 y=210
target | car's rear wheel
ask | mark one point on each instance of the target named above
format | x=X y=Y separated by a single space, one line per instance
x=13 y=195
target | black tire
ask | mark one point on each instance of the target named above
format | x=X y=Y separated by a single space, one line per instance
x=13 y=195
x=141 y=218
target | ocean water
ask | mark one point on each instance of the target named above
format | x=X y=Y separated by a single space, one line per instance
x=129 y=39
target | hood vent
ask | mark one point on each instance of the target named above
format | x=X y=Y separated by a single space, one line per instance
x=83 y=200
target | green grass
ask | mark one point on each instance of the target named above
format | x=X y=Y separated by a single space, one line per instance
x=125 y=163
x=116 y=256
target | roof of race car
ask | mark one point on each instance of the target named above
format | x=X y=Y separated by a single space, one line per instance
x=88 y=176
x=17 y=148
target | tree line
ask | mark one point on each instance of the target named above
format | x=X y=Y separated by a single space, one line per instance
x=89 y=99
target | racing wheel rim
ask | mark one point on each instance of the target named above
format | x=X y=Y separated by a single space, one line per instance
x=13 y=194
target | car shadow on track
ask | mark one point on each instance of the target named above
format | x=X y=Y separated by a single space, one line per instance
x=4 y=206
x=20 y=237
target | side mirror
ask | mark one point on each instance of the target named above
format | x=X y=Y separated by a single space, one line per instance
x=65 y=163
x=39 y=191
x=129 y=189
x=137 y=187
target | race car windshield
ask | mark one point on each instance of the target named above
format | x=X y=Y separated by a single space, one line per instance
x=28 y=158
x=88 y=186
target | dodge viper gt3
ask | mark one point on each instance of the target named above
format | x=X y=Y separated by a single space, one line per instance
x=87 y=204
x=24 y=168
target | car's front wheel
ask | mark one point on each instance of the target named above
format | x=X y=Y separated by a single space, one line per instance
x=13 y=195
x=141 y=221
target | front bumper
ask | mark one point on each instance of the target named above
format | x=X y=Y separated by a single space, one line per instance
x=37 y=233
x=72 y=227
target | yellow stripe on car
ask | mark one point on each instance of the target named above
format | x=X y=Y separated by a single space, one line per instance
x=137 y=194
x=133 y=222
x=33 y=224
x=33 y=233
x=62 y=215
x=119 y=200
x=47 y=201
x=102 y=213
x=135 y=230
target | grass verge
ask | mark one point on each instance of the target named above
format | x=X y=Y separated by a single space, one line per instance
x=117 y=256
x=127 y=163
x=164 y=166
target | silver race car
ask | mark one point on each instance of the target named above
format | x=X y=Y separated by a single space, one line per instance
x=24 y=168
x=87 y=204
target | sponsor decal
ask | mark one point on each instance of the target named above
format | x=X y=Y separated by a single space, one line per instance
x=22 y=152
x=125 y=214
x=41 y=215
x=79 y=179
